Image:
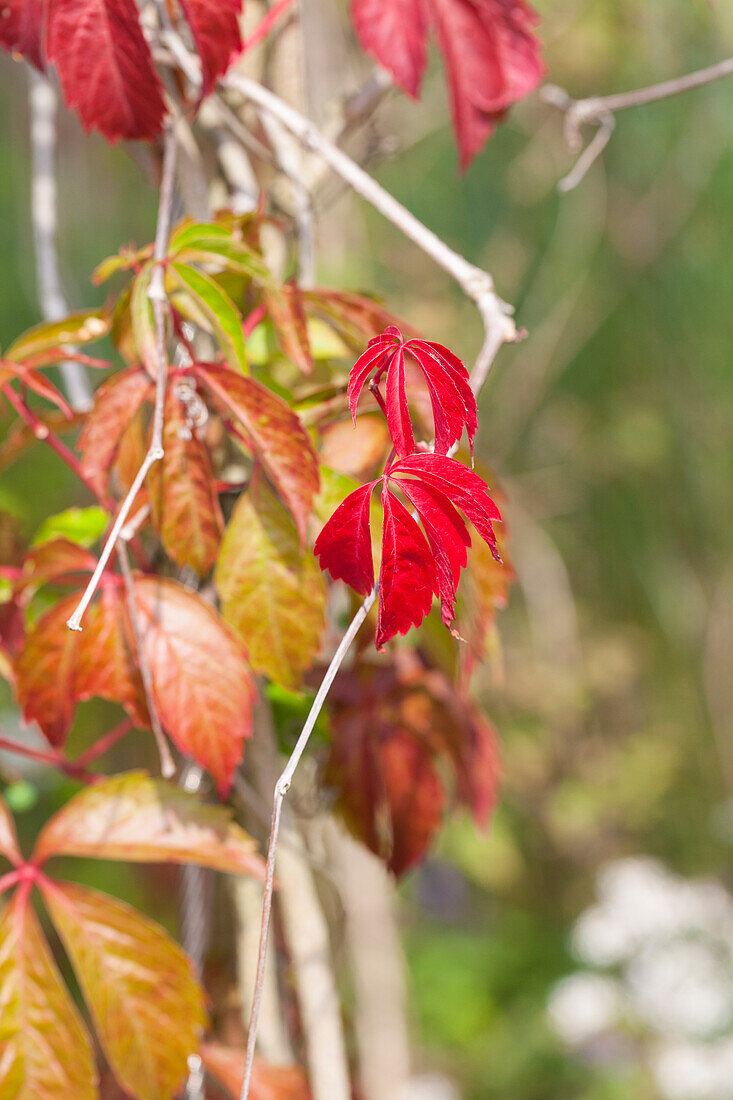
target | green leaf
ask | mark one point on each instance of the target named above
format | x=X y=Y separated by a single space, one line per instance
x=134 y=818
x=229 y=254
x=139 y=985
x=82 y=526
x=78 y=328
x=272 y=592
x=190 y=233
x=219 y=310
x=45 y=1052
x=142 y=320
x=123 y=260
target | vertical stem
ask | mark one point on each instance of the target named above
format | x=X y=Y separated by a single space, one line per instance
x=42 y=101
x=158 y=297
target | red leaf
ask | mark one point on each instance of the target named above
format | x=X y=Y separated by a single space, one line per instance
x=105 y=67
x=461 y=485
x=407 y=578
x=344 y=546
x=278 y=438
x=58 y=667
x=21 y=29
x=355 y=317
x=106 y=660
x=285 y=307
x=492 y=60
x=215 y=28
x=185 y=506
x=491 y=55
x=54 y=561
x=393 y=722
x=447 y=536
x=202 y=685
x=394 y=32
x=35 y=381
x=453 y=402
x=45 y=670
x=115 y=404
x=412 y=569
x=390 y=792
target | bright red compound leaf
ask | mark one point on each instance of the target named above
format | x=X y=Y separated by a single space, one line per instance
x=451 y=396
x=215 y=29
x=492 y=57
x=413 y=568
x=105 y=67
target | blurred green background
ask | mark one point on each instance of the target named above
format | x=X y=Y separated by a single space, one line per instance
x=608 y=430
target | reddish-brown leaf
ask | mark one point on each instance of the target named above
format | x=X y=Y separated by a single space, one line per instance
x=215 y=28
x=115 y=404
x=55 y=561
x=45 y=671
x=286 y=308
x=45 y=1052
x=21 y=29
x=34 y=380
x=8 y=839
x=139 y=985
x=226 y=1064
x=105 y=67
x=355 y=449
x=185 y=507
x=486 y=591
x=355 y=317
x=389 y=790
x=134 y=818
x=106 y=660
x=391 y=721
x=278 y=438
x=202 y=684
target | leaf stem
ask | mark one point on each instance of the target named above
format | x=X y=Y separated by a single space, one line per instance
x=158 y=297
x=103 y=744
x=12 y=878
x=72 y=768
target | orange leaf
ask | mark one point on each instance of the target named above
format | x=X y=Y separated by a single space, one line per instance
x=284 y=304
x=185 y=508
x=134 y=818
x=115 y=405
x=45 y=1052
x=139 y=985
x=202 y=685
x=45 y=669
x=226 y=1064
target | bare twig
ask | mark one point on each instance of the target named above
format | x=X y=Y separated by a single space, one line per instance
x=167 y=767
x=42 y=100
x=475 y=283
x=157 y=295
x=600 y=111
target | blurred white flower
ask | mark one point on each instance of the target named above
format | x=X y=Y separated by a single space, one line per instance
x=683 y=987
x=583 y=1006
x=694 y=1071
x=670 y=943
